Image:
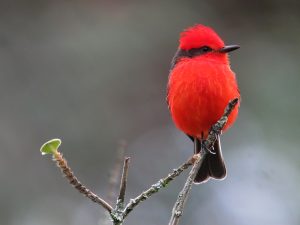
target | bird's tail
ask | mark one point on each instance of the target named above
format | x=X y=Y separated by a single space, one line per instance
x=213 y=165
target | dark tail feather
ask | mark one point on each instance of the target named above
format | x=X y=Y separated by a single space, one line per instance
x=216 y=163
x=203 y=173
x=212 y=166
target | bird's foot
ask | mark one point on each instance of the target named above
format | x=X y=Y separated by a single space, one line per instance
x=210 y=150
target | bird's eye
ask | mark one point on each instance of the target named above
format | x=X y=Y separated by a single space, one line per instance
x=198 y=51
x=206 y=49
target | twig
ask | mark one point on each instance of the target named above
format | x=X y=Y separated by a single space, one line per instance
x=212 y=136
x=218 y=126
x=157 y=186
x=65 y=169
x=117 y=213
x=120 y=201
x=183 y=195
x=115 y=173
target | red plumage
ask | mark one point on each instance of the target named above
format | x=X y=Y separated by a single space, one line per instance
x=201 y=82
x=199 y=35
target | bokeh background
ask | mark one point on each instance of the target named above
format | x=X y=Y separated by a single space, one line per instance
x=94 y=72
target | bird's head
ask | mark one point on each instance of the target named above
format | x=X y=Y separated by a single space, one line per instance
x=203 y=41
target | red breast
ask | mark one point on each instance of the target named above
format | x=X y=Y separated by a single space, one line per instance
x=198 y=93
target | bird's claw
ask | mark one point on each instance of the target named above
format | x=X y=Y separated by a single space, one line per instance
x=209 y=150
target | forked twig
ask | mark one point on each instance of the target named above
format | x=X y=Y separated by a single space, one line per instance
x=120 y=212
x=157 y=186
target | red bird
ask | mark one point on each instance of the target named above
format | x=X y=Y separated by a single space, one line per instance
x=200 y=86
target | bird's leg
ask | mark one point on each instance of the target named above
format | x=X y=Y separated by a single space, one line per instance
x=208 y=150
x=197 y=145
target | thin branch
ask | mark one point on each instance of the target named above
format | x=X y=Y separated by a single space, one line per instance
x=115 y=173
x=184 y=193
x=157 y=186
x=120 y=201
x=66 y=170
x=212 y=136
x=218 y=126
x=117 y=213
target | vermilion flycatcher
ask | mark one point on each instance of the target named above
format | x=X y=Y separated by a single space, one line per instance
x=200 y=86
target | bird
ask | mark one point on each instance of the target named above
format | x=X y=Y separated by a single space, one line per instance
x=200 y=85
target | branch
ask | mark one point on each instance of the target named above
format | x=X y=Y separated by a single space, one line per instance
x=216 y=129
x=120 y=201
x=212 y=137
x=183 y=195
x=115 y=173
x=157 y=186
x=66 y=170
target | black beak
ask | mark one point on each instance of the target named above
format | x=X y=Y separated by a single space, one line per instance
x=229 y=48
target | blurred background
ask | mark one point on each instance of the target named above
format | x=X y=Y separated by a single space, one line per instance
x=95 y=72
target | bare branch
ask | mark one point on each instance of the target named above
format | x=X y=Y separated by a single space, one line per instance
x=184 y=193
x=115 y=173
x=212 y=136
x=66 y=170
x=157 y=186
x=120 y=201
x=218 y=126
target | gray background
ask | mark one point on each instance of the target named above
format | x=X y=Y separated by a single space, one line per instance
x=94 y=72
